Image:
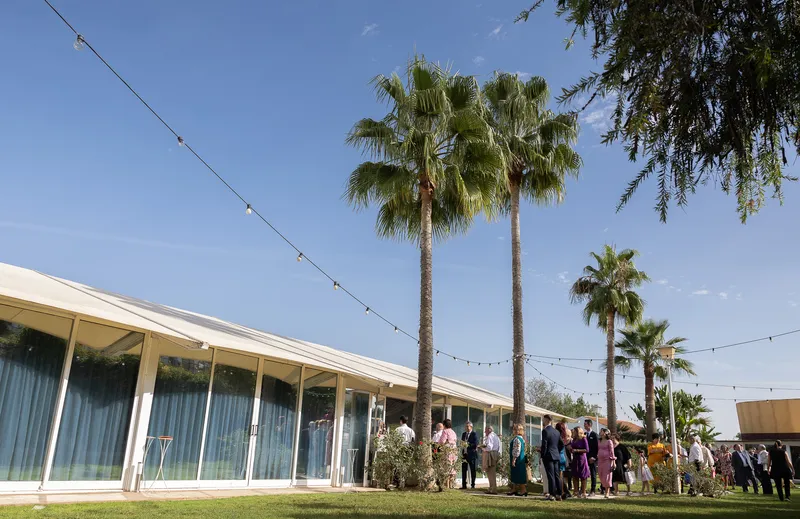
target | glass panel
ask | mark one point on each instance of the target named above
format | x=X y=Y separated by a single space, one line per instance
x=32 y=349
x=317 y=420
x=437 y=416
x=354 y=435
x=97 y=409
x=179 y=407
x=229 y=417
x=493 y=420
x=476 y=417
x=506 y=424
x=395 y=409
x=277 y=416
x=459 y=416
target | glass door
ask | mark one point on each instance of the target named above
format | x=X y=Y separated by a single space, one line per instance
x=228 y=430
x=355 y=433
x=377 y=428
x=317 y=419
x=274 y=427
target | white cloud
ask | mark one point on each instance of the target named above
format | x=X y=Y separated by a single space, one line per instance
x=792 y=303
x=478 y=60
x=598 y=114
x=496 y=31
x=723 y=295
x=605 y=230
x=739 y=296
x=370 y=29
x=501 y=238
x=702 y=292
x=523 y=76
x=662 y=282
x=562 y=276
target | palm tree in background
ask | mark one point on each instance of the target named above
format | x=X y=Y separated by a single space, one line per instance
x=434 y=168
x=639 y=345
x=607 y=291
x=537 y=145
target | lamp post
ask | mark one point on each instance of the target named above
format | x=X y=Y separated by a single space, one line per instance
x=668 y=354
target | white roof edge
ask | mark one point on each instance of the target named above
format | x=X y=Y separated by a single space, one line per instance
x=26 y=285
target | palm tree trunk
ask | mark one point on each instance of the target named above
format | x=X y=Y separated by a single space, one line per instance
x=518 y=415
x=649 y=400
x=422 y=411
x=611 y=395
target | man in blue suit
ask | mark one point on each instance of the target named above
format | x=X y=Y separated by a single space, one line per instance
x=551 y=455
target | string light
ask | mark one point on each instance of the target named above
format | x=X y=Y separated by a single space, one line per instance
x=336 y=287
x=81 y=43
x=396 y=330
x=366 y=312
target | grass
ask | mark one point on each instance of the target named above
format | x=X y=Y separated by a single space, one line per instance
x=450 y=504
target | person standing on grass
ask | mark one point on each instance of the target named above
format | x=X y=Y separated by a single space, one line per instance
x=725 y=466
x=743 y=469
x=565 y=460
x=645 y=474
x=623 y=464
x=656 y=455
x=437 y=433
x=406 y=431
x=580 y=465
x=591 y=456
x=781 y=469
x=697 y=460
x=763 y=470
x=469 y=450
x=606 y=461
x=491 y=455
x=551 y=456
x=448 y=442
x=518 y=474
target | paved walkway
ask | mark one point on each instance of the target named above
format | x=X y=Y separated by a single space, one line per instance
x=44 y=499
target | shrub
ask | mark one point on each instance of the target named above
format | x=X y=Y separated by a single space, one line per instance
x=704 y=484
x=421 y=462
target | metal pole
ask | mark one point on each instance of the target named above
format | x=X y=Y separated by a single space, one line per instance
x=675 y=457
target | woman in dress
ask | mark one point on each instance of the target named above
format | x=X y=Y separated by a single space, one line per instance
x=448 y=442
x=518 y=480
x=725 y=466
x=564 y=460
x=606 y=461
x=580 y=465
x=645 y=474
x=623 y=456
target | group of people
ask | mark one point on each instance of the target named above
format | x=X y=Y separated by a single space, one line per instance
x=738 y=468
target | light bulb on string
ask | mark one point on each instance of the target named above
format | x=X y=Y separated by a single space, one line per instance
x=180 y=141
x=336 y=285
x=249 y=209
x=467 y=363
x=366 y=312
x=300 y=257
x=396 y=330
x=79 y=44
x=770 y=339
x=437 y=353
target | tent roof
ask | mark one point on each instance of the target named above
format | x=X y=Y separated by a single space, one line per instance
x=192 y=329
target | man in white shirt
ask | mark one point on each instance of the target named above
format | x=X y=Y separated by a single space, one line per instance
x=491 y=455
x=437 y=434
x=406 y=431
x=708 y=458
x=763 y=462
x=696 y=458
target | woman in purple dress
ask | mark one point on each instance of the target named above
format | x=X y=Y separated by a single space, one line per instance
x=580 y=466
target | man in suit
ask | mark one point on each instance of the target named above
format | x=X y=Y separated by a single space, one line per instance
x=591 y=456
x=743 y=469
x=469 y=449
x=551 y=454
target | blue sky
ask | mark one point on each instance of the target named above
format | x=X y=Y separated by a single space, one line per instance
x=95 y=190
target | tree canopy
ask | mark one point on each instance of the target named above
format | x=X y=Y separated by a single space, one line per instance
x=704 y=91
x=545 y=394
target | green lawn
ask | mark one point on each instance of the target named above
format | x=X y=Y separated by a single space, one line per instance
x=451 y=505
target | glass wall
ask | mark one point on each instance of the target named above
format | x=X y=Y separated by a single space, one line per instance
x=317 y=425
x=505 y=422
x=229 y=417
x=396 y=408
x=277 y=416
x=377 y=426
x=178 y=410
x=32 y=350
x=459 y=415
x=354 y=435
x=94 y=425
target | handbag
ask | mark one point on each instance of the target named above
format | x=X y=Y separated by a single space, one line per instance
x=630 y=477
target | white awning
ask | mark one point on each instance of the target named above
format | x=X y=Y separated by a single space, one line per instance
x=195 y=330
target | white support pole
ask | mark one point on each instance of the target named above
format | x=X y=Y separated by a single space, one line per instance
x=676 y=459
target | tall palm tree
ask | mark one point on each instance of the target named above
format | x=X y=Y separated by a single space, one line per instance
x=537 y=144
x=607 y=291
x=434 y=168
x=639 y=345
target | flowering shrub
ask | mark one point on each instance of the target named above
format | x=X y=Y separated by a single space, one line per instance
x=703 y=483
x=422 y=462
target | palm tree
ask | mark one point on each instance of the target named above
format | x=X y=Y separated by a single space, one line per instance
x=607 y=291
x=434 y=168
x=537 y=145
x=639 y=344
